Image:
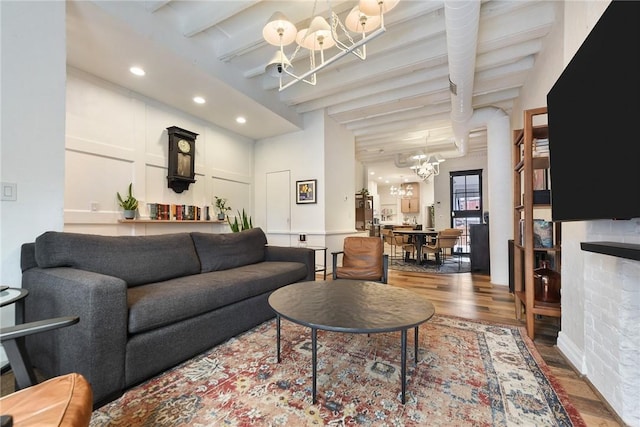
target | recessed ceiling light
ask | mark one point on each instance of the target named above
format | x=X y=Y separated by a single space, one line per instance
x=137 y=71
x=241 y=120
x=199 y=100
x=372 y=173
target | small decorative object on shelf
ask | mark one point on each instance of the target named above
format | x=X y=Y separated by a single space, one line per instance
x=547 y=283
x=221 y=207
x=130 y=204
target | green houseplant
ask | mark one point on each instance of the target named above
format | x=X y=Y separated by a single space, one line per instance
x=130 y=204
x=221 y=207
x=244 y=223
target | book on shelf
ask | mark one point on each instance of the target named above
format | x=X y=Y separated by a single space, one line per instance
x=166 y=211
x=540 y=147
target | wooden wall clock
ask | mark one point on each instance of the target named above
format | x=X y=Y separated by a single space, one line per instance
x=182 y=154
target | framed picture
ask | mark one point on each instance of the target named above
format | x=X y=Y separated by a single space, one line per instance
x=306 y=191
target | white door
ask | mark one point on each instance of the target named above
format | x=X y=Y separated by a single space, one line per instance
x=279 y=202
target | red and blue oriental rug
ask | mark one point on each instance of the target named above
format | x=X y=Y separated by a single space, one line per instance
x=469 y=374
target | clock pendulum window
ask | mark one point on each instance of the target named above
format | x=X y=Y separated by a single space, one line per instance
x=181 y=155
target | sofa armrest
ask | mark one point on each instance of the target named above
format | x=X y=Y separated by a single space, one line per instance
x=95 y=347
x=285 y=253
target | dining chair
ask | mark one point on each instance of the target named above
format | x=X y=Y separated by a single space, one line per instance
x=404 y=243
x=407 y=248
x=445 y=240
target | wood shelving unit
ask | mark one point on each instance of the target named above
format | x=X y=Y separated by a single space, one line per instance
x=364 y=211
x=524 y=209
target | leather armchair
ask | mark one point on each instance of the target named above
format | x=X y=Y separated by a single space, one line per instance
x=65 y=400
x=363 y=258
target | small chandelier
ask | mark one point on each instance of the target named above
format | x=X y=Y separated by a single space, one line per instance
x=321 y=35
x=427 y=166
x=405 y=190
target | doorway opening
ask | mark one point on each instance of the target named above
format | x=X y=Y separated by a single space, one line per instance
x=466 y=204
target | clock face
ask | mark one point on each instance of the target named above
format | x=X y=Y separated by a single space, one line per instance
x=184 y=146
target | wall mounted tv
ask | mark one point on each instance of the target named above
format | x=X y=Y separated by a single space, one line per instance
x=594 y=123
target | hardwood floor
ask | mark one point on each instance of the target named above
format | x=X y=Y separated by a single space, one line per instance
x=472 y=296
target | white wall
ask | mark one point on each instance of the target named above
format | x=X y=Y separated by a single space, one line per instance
x=32 y=122
x=324 y=151
x=340 y=189
x=116 y=134
x=301 y=153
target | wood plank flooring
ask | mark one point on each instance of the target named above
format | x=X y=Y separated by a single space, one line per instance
x=472 y=296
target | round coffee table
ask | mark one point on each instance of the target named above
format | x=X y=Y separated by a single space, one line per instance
x=351 y=306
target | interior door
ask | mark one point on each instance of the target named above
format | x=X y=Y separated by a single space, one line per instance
x=466 y=204
x=279 y=203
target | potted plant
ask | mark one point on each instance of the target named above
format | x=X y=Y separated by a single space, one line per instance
x=130 y=204
x=245 y=222
x=221 y=207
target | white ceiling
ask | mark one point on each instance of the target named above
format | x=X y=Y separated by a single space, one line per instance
x=390 y=102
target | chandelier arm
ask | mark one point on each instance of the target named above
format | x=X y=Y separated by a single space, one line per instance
x=334 y=58
x=362 y=54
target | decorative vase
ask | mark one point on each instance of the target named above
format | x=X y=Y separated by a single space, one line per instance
x=547 y=283
x=129 y=214
x=221 y=217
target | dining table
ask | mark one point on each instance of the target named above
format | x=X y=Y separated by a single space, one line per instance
x=419 y=238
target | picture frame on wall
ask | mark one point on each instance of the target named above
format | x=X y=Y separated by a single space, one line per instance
x=306 y=191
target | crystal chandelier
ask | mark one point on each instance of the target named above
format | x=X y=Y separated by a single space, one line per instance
x=321 y=35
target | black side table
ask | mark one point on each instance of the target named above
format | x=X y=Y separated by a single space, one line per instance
x=9 y=296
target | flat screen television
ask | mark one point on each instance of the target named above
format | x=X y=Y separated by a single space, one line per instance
x=594 y=123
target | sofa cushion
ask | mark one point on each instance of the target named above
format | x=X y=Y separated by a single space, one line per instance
x=135 y=259
x=159 y=304
x=229 y=250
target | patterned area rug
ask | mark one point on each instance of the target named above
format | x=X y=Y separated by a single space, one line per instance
x=469 y=373
x=449 y=267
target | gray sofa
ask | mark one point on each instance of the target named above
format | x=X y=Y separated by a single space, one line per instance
x=147 y=303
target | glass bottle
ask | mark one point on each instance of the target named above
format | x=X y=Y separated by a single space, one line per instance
x=547 y=283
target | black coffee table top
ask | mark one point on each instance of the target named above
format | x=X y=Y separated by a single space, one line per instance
x=351 y=306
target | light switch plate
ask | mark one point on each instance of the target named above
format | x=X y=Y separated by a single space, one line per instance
x=9 y=191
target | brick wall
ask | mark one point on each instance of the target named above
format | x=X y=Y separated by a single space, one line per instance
x=612 y=334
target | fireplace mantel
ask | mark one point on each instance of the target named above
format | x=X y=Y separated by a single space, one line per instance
x=617 y=249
